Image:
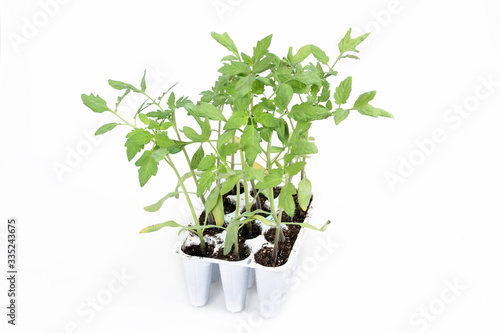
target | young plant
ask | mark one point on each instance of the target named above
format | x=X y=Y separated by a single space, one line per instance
x=272 y=97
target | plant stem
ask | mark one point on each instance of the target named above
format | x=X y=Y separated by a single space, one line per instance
x=188 y=199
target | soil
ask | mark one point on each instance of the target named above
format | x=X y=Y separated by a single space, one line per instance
x=264 y=255
x=243 y=253
x=195 y=250
x=255 y=231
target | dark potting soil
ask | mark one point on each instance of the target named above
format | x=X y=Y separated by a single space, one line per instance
x=243 y=253
x=255 y=231
x=195 y=250
x=265 y=254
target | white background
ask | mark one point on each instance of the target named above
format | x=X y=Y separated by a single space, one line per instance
x=395 y=247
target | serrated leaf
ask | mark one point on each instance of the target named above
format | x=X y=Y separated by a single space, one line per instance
x=372 y=111
x=235 y=68
x=250 y=140
x=264 y=118
x=340 y=115
x=205 y=110
x=106 y=128
x=273 y=179
x=205 y=182
x=136 y=140
x=197 y=156
x=301 y=54
x=225 y=138
x=263 y=65
x=159 y=226
x=192 y=135
x=244 y=85
x=284 y=96
x=295 y=168
x=163 y=141
x=95 y=103
x=212 y=199
x=148 y=167
x=229 y=148
x=159 y=154
x=237 y=120
x=229 y=184
x=363 y=99
x=319 y=54
x=226 y=41
x=303 y=147
x=343 y=91
x=286 y=201
x=156 y=206
x=305 y=193
x=348 y=44
x=308 y=112
x=144 y=119
x=261 y=48
x=206 y=162
x=119 y=85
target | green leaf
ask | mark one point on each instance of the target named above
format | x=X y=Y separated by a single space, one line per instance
x=148 y=167
x=106 y=128
x=250 y=140
x=235 y=68
x=319 y=54
x=231 y=237
x=343 y=91
x=286 y=199
x=325 y=92
x=119 y=85
x=206 y=110
x=263 y=65
x=339 y=115
x=95 y=103
x=229 y=148
x=363 y=99
x=165 y=126
x=226 y=41
x=252 y=173
x=273 y=179
x=156 y=206
x=143 y=82
x=195 y=160
x=302 y=54
x=237 y=120
x=145 y=120
x=308 y=112
x=284 y=96
x=309 y=226
x=218 y=212
x=159 y=154
x=229 y=58
x=372 y=111
x=262 y=46
x=157 y=227
x=303 y=147
x=349 y=44
x=308 y=78
x=206 y=163
x=136 y=140
x=212 y=199
x=295 y=168
x=305 y=193
x=192 y=135
x=163 y=141
x=283 y=131
x=225 y=138
x=264 y=118
x=246 y=59
x=171 y=100
x=229 y=184
x=244 y=85
x=205 y=182
x=264 y=220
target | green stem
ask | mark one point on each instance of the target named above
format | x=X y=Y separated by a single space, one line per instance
x=190 y=204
